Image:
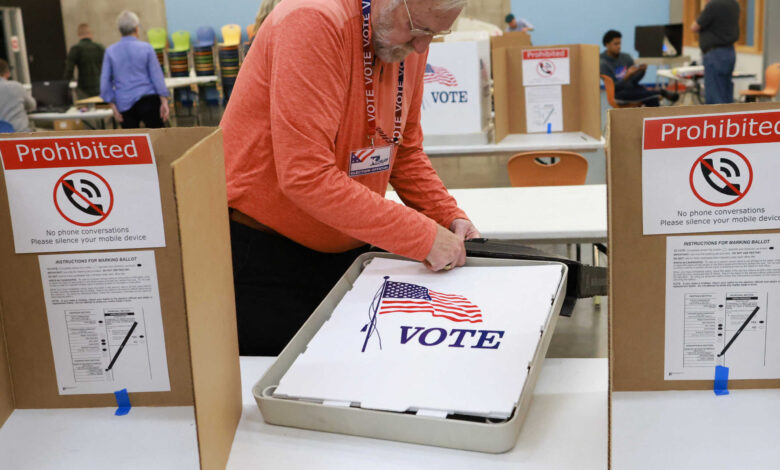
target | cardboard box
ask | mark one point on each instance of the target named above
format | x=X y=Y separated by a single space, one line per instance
x=581 y=98
x=68 y=125
x=194 y=272
x=456 y=102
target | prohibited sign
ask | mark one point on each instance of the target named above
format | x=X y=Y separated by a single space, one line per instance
x=721 y=177
x=83 y=197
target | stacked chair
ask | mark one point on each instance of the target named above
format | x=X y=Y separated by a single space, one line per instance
x=179 y=64
x=158 y=38
x=229 y=57
x=203 y=50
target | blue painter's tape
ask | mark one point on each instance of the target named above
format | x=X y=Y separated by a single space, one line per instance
x=721 y=386
x=122 y=402
x=549 y=127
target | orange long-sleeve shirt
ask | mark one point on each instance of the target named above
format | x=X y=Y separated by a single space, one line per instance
x=297 y=112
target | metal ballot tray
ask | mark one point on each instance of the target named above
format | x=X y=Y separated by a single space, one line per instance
x=482 y=436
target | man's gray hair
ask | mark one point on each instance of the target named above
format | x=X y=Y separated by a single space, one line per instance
x=441 y=5
x=127 y=22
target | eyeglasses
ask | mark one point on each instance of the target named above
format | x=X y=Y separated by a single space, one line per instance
x=418 y=33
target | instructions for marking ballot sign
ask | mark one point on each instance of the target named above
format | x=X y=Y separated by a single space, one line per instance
x=723 y=306
x=711 y=173
x=105 y=322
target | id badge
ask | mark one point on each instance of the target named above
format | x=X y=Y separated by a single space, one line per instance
x=369 y=160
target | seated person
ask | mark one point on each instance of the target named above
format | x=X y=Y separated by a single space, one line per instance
x=15 y=102
x=620 y=67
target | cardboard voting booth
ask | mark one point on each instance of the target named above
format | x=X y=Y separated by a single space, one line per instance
x=456 y=101
x=76 y=269
x=694 y=229
x=468 y=434
x=545 y=89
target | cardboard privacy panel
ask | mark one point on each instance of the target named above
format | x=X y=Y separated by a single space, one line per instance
x=196 y=297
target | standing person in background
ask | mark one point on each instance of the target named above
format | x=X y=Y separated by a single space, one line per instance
x=132 y=80
x=87 y=56
x=718 y=28
x=513 y=25
x=15 y=102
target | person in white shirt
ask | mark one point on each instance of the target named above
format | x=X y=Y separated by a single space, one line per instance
x=15 y=102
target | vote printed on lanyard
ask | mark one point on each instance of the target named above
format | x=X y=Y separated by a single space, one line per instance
x=369 y=160
x=368 y=82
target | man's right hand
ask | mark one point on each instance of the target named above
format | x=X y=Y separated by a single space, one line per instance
x=448 y=249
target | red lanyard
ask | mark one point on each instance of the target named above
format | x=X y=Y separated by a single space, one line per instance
x=368 y=82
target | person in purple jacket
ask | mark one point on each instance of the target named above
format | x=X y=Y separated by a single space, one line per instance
x=132 y=79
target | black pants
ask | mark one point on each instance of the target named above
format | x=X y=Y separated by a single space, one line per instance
x=278 y=284
x=146 y=110
x=639 y=93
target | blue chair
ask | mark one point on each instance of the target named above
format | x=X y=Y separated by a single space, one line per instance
x=204 y=37
x=6 y=127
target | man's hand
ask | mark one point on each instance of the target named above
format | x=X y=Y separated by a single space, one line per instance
x=695 y=27
x=164 y=110
x=464 y=229
x=447 y=250
x=642 y=66
x=632 y=70
x=117 y=114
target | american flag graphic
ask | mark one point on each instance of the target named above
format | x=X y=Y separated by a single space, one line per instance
x=403 y=297
x=361 y=155
x=441 y=75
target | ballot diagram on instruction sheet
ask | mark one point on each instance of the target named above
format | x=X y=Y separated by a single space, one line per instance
x=403 y=338
x=711 y=173
x=94 y=192
x=105 y=322
x=722 y=306
x=544 y=108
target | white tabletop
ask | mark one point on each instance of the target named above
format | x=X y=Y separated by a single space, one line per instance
x=572 y=214
x=663 y=60
x=178 y=82
x=684 y=73
x=514 y=143
x=72 y=113
x=86 y=438
x=566 y=427
x=696 y=430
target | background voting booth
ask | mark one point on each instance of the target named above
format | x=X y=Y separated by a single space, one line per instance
x=456 y=101
x=83 y=317
x=545 y=89
x=407 y=413
x=694 y=223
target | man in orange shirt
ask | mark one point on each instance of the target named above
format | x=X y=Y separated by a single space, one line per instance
x=324 y=114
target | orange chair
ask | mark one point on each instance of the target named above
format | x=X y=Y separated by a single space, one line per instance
x=609 y=86
x=250 y=32
x=771 y=84
x=566 y=168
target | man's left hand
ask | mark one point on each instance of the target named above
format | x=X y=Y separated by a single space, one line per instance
x=464 y=229
x=164 y=110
